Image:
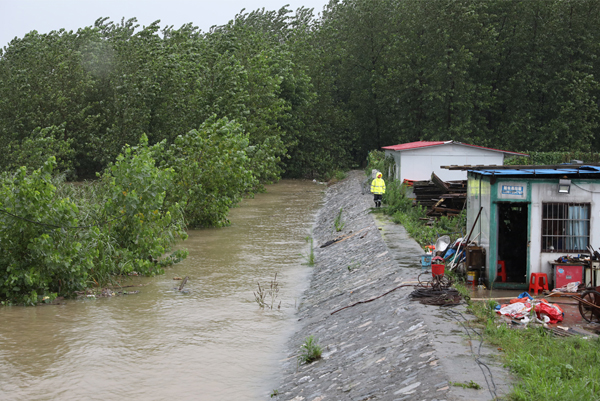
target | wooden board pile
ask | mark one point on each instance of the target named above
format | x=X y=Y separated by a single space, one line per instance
x=441 y=198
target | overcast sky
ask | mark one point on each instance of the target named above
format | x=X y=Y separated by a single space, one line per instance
x=18 y=17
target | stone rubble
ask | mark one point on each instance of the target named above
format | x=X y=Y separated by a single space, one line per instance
x=386 y=349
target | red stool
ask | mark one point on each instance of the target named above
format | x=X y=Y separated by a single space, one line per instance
x=534 y=282
x=501 y=271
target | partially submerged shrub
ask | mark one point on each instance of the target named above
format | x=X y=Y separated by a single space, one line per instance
x=55 y=242
x=212 y=170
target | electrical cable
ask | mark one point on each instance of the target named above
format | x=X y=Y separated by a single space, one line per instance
x=583 y=189
x=478 y=360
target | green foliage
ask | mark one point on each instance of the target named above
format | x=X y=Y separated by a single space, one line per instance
x=548 y=367
x=395 y=198
x=550 y=158
x=136 y=190
x=316 y=94
x=413 y=217
x=58 y=238
x=110 y=83
x=339 y=175
x=376 y=160
x=310 y=351
x=34 y=151
x=310 y=257
x=39 y=258
x=493 y=73
x=459 y=285
x=470 y=384
x=276 y=92
x=212 y=170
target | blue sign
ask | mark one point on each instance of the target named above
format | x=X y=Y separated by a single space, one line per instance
x=512 y=190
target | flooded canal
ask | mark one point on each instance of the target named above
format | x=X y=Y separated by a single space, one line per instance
x=213 y=343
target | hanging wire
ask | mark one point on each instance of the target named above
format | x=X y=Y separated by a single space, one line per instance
x=485 y=369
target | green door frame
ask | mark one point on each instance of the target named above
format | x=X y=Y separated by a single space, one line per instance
x=494 y=228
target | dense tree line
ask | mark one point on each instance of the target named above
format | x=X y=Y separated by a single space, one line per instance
x=518 y=75
x=314 y=93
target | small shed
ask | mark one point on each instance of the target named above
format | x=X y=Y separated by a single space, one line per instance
x=417 y=160
x=530 y=216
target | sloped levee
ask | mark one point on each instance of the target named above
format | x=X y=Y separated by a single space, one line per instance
x=384 y=349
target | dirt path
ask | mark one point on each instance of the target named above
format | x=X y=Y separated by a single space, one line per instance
x=388 y=349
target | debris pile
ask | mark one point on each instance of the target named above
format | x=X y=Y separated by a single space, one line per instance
x=441 y=198
x=519 y=310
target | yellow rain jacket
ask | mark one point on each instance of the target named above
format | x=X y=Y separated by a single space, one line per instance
x=378 y=185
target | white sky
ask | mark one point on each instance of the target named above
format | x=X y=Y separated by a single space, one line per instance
x=18 y=17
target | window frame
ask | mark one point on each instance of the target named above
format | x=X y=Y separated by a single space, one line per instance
x=559 y=221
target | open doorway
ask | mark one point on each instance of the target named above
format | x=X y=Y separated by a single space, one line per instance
x=512 y=240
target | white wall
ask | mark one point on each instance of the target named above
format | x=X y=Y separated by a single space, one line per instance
x=478 y=195
x=418 y=164
x=397 y=158
x=546 y=192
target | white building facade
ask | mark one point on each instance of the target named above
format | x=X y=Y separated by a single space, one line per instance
x=416 y=161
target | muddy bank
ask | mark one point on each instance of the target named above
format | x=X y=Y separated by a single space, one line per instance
x=390 y=348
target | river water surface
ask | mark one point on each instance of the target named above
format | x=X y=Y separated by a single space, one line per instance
x=213 y=343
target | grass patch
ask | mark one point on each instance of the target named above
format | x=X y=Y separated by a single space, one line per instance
x=338 y=222
x=353 y=266
x=310 y=351
x=459 y=285
x=339 y=175
x=334 y=176
x=549 y=368
x=402 y=211
x=310 y=257
x=470 y=384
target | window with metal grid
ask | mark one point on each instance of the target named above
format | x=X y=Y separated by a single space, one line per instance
x=565 y=227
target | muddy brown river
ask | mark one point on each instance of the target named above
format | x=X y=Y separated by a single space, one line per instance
x=212 y=343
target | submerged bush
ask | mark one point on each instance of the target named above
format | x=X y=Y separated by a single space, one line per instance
x=56 y=239
x=212 y=170
x=39 y=255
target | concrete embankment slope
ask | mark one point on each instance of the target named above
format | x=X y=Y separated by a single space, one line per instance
x=390 y=348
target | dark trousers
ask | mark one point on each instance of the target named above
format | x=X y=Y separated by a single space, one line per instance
x=377 y=199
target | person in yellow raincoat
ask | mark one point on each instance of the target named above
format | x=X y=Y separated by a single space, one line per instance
x=378 y=189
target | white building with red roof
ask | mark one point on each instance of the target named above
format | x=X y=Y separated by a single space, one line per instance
x=416 y=161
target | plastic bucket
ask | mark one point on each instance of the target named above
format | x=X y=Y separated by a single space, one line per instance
x=437 y=270
x=426 y=261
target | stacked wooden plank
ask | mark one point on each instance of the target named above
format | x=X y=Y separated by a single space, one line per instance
x=441 y=198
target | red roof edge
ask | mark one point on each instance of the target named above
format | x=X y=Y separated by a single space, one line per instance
x=425 y=144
